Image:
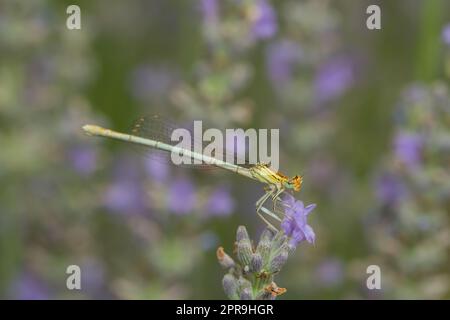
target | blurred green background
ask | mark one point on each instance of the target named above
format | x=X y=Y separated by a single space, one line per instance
x=364 y=116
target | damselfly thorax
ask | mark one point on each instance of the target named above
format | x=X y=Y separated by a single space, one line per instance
x=263 y=173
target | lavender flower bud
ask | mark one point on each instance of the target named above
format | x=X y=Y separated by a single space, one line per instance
x=263 y=249
x=266 y=235
x=278 y=241
x=242 y=234
x=246 y=294
x=278 y=261
x=265 y=295
x=244 y=252
x=242 y=284
x=224 y=259
x=230 y=286
x=256 y=263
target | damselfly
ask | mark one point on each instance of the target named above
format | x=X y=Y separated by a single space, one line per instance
x=276 y=183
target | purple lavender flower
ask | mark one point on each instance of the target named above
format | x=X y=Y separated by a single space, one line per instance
x=41 y=70
x=182 y=197
x=322 y=171
x=210 y=11
x=148 y=82
x=126 y=194
x=28 y=287
x=83 y=159
x=330 y=272
x=40 y=74
x=158 y=170
x=333 y=78
x=415 y=93
x=408 y=148
x=282 y=56
x=93 y=277
x=220 y=203
x=229 y=284
x=389 y=189
x=294 y=223
x=264 y=24
x=446 y=34
x=124 y=197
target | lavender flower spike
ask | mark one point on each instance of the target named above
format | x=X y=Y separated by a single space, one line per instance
x=251 y=275
x=446 y=34
x=264 y=24
x=408 y=148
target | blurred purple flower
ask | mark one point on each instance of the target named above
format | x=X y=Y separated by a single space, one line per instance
x=220 y=203
x=158 y=170
x=126 y=194
x=40 y=74
x=446 y=34
x=210 y=10
x=41 y=70
x=264 y=24
x=93 y=277
x=181 y=197
x=83 y=159
x=389 y=189
x=124 y=197
x=415 y=93
x=28 y=287
x=294 y=223
x=333 y=78
x=282 y=56
x=408 y=148
x=330 y=272
x=322 y=171
x=148 y=82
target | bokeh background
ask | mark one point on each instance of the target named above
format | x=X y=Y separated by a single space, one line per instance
x=363 y=115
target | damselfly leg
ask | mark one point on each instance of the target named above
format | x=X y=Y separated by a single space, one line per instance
x=276 y=197
x=260 y=209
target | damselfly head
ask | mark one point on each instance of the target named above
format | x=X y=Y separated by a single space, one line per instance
x=295 y=183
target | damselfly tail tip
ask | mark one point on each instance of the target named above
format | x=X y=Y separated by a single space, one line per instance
x=91 y=130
